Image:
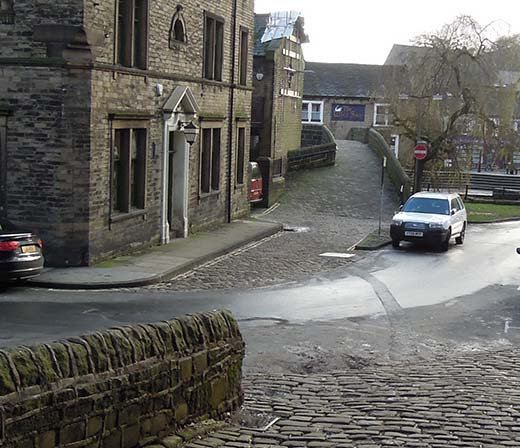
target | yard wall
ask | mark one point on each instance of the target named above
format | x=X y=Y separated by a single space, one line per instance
x=121 y=387
x=318 y=149
x=400 y=179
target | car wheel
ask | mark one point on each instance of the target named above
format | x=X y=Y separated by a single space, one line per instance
x=460 y=238
x=395 y=244
x=446 y=243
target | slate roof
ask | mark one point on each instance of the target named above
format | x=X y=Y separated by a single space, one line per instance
x=342 y=80
x=399 y=54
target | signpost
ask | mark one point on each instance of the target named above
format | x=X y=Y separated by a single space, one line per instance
x=382 y=194
x=421 y=150
x=420 y=153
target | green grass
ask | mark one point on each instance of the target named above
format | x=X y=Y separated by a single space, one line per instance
x=491 y=212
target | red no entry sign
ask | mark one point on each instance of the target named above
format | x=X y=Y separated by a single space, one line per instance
x=421 y=150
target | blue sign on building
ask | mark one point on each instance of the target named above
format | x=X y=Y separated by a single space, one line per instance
x=348 y=112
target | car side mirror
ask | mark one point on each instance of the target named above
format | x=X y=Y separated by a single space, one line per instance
x=401 y=207
x=453 y=211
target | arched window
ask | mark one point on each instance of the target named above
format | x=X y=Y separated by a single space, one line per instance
x=178 y=28
x=178 y=31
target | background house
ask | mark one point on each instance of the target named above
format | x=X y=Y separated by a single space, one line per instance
x=346 y=97
x=97 y=103
x=278 y=71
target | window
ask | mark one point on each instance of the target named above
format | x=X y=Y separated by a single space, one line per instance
x=178 y=28
x=241 y=150
x=312 y=112
x=132 y=40
x=213 y=47
x=178 y=31
x=210 y=160
x=382 y=115
x=128 y=168
x=6 y=12
x=244 y=45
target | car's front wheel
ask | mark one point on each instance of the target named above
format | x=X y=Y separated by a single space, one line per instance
x=460 y=238
x=395 y=244
x=446 y=243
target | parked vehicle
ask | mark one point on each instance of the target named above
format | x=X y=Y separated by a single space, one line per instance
x=20 y=252
x=256 y=194
x=432 y=218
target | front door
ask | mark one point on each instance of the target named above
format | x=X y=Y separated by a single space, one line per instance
x=176 y=185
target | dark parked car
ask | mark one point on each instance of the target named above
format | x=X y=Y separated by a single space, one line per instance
x=20 y=252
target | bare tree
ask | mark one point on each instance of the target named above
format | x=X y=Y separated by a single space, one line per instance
x=459 y=81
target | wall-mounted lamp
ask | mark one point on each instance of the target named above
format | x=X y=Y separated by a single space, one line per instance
x=259 y=76
x=190 y=131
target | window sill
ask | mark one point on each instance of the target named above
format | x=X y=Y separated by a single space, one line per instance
x=209 y=195
x=121 y=216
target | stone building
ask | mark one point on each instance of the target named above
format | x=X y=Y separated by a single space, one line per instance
x=97 y=103
x=278 y=72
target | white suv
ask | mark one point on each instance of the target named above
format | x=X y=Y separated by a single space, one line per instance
x=431 y=218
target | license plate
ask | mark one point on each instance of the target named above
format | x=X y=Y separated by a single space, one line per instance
x=29 y=249
x=409 y=233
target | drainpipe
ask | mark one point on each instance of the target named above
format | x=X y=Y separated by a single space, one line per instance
x=165 y=230
x=231 y=114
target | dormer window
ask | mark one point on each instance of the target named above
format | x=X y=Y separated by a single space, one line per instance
x=178 y=28
x=6 y=12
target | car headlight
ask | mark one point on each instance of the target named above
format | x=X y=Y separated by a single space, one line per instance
x=437 y=225
x=397 y=222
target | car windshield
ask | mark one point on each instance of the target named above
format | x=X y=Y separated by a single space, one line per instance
x=427 y=205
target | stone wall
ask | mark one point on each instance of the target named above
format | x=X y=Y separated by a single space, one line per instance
x=121 y=387
x=401 y=181
x=318 y=149
x=59 y=131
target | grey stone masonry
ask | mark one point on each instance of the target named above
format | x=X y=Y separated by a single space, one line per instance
x=66 y=93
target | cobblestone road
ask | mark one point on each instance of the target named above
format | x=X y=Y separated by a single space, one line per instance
x=472 y=401
x=336 y=206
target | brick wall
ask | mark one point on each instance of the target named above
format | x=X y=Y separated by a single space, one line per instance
x=120 y=387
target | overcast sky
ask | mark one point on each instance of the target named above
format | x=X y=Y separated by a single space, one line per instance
x=363 y=32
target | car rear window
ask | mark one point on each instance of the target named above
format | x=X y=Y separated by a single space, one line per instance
x=427 y=205
x=255 y=173
x=6 y=225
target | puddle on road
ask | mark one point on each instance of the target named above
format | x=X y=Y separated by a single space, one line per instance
x=262 y=321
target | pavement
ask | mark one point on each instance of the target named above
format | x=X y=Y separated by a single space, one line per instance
x=159 y=263
x=324 y=211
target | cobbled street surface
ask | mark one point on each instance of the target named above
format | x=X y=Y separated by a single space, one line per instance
x=330 y=208
x=472 y=401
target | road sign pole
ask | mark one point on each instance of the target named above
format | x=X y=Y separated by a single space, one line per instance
x=382 y=194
